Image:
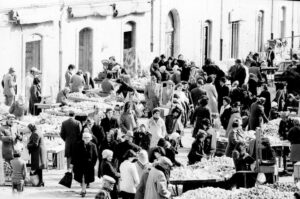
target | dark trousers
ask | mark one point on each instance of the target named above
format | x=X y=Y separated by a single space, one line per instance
x=125 y=195
x=39 y=172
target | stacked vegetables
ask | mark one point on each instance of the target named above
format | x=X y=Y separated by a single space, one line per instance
x=215 y=168
x=259 y=192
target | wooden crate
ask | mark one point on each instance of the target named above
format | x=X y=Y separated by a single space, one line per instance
x=297 y=171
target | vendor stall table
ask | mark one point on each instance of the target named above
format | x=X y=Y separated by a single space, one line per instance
x=58 y=156
x=46 y=106
x=194 y=184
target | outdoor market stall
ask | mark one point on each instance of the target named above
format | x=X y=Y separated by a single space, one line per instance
x=205 y=173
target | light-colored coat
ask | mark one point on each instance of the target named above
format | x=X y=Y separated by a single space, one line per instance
x=156 y=186
x=9 y=85
x=212 y=95
x=157 y=130
x=129 y=177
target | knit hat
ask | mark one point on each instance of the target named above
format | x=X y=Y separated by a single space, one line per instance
x=107 y=153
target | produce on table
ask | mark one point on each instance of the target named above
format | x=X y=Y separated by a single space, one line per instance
x=286 y=187
x=215 y=168
x=259 y=192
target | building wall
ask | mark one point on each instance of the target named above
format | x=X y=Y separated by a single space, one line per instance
x=108 y=32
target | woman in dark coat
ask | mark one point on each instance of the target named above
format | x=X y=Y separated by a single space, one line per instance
x=35 y=96
x=106 y=168
x=266 y=94
x=235 y=136
x=294 y=138
x=257 y=114
x=84 y=161
x=200 y=113
x=197 y=151
x=37 y=150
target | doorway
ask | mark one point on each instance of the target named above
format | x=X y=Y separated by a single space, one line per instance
x=86 y=50
x=207 y=39
x=129 y=51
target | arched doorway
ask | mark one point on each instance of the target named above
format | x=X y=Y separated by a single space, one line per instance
x=129 y=51
x=172 y=34
x=207 y=39
x=86 y=50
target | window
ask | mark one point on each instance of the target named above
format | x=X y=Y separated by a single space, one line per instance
x=260 y=31
x=235 y=39
x=282 y=22
x=207 y=39
x=170 y=35
x=86 y=50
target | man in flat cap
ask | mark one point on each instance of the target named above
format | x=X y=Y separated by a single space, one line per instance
x=107 y=187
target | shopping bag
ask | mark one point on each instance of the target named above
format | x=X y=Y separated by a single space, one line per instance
x=34 y=178
x=261 y=178
x=67 y=180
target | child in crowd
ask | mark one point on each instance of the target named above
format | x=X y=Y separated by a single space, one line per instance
x=19 y=171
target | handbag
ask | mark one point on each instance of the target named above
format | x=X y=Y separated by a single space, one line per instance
x=67 y=180
x=34 y=178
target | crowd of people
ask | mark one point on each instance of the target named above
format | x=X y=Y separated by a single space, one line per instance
x=134 y=159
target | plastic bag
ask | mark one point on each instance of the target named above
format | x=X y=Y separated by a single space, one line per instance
x=34 y=178
x=261 y=178
x=67 y=180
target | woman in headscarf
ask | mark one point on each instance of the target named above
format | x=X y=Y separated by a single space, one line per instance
x=142 y=163
x=37 y=150
x=35 y=96
x=235 y=136
x=212 y=94
x=84 y=161
x=156 y=127
x=62 y=96
x=18 y=108
x=197 y=151
x=128 y=119
x=152 y=92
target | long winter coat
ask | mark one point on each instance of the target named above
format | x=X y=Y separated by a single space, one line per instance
x=157 y=130
x=70 y=133
x=212 y=96
x=35 y=97
x=37 y=150
x=234 y=137
x=152 y=96
x=156 y=186
x=257 y=115
x=8 y=141
x=84 y=162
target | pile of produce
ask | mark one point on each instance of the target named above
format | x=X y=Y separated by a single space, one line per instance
x=284 y=187
x=259 y=192
x=270 y=129
x=215 y=168
x=81 y=97
x=140 y=83
x=47 y=124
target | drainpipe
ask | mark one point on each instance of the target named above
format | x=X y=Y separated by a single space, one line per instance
x=60 y=46
x=272 y=14
x=151 y=28
x=221 y=32
x=292 y=36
